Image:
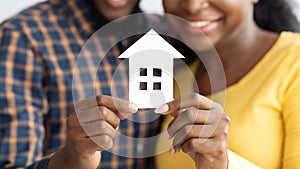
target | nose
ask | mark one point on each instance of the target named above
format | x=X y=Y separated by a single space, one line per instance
x=193 y=6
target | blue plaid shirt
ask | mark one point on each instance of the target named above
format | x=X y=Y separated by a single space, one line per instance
x=38 y=51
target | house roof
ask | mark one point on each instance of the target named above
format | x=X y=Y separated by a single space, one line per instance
x=151 y=41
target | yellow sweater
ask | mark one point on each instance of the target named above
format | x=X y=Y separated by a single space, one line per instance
x=264 y=107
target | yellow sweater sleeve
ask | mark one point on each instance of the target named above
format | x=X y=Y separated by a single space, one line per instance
x=291 y=119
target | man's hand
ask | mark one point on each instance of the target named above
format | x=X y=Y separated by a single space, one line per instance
x=91 y=127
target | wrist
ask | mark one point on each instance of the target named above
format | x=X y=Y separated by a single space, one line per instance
x=58 y=160
x=65 y=158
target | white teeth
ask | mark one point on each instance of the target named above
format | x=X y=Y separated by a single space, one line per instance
x=200 y=23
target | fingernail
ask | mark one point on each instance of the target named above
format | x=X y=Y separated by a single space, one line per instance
x=172 y=150
x=132 y=107
x=163 y=108
x=166 y=135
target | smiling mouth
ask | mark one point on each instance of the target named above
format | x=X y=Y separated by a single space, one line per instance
x=117 y=3
x=205 y=26
x=200 y=24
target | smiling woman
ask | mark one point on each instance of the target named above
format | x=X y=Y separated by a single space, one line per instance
x=259 y=48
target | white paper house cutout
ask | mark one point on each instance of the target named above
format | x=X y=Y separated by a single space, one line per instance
x=151 y=70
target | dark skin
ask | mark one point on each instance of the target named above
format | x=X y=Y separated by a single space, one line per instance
x=240 y=44
x=112 y=12
x=236 y=68
x=92 y=126
x=200 y=132
x=99 y=116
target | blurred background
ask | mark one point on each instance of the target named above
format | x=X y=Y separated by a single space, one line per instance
x=11 y=7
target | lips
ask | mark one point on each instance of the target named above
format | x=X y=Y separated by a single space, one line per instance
x=200 y=24
x=117 y=3
x=204 y=25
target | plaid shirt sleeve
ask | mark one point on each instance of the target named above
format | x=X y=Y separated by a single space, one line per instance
x=22 y=101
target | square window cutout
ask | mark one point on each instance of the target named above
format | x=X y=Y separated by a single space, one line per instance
x=156 y=86
x=156 y=72
x=143 y=85
x=143 y=71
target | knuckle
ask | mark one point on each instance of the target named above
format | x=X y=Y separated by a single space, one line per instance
x=222 y=132
x=101 y=99
x=220 y=114
x=103 y=112
x=118 y=121
x=188 y=146
x=176 y=104
x=187 y=131
x=102 y=109
x=106 y=129
x=226 y=131
x=218 y=107
x=114 y=133
x=192 y=145
x=224 y=122
x=107 y=142
x=190 y=116
x=224 y=135
x=196 y=98
x=220 y=149
x=185 y=149
x=226 y=118
x=102 y=125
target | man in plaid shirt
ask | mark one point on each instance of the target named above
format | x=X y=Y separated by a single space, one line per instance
x=38 y=52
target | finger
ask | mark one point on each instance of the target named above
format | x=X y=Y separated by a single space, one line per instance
x=215 y=125
x=193 y=131
x=188 y=117
x=74 y=128
x=98 y=113
x=196 y=145
x=193 y=100
x=98 y=128
x=207 y=147
x=112 y=103
x=96 y=143
x=111 y=117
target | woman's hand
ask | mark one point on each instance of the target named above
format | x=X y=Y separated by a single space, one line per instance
x=91 y=127
x=200 y=128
